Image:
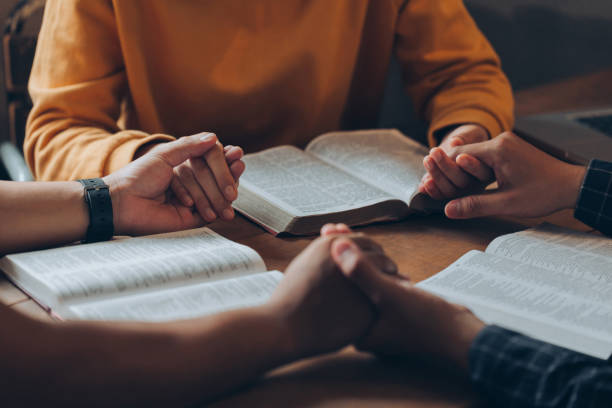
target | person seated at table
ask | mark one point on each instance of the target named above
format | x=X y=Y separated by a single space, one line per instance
x=112 y=79
x=88 y=364
x=510 y=369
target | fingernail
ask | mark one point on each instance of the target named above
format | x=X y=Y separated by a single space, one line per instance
x=427 y=163
x=436 y=154
x=209 y=214
x=457 y=141
x=347 y=256
x=463 y=160
x=228 y=213
x=189 y=201
x=230 y=193
x=326 y=228
x=207 y=137
x=453 y=209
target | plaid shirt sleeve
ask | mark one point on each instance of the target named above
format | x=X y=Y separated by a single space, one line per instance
x=594 y=205
x=513 y=370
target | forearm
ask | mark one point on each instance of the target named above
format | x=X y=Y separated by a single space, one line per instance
x=174 y=364
x=36 y=214
x=455 y=77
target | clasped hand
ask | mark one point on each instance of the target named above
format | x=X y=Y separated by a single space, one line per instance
x=175 y=186
x=530 y=183
x=343 y=289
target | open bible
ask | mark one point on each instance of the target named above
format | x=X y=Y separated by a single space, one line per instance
x=355 y=177
x=549 y=283
x=154 y=278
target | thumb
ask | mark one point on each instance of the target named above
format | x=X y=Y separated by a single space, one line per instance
x=175 y=153
x=467 y=134
x=375 y=284
x=479 y=205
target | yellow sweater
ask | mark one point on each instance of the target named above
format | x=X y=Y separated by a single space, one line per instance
x=110 y=76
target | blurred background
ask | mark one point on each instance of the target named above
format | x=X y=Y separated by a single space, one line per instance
x=539 y=41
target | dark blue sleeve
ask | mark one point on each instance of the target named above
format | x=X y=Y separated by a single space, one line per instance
x=594 y=206
x=513 y=370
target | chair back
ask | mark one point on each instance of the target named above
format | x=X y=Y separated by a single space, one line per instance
x=18 y=47
x=17 y=55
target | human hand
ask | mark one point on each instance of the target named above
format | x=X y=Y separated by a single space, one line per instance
x=142 y=201
x=409 y=321
x=320 y=309
x=530 y=182
x=209 y=183
x=444 y=178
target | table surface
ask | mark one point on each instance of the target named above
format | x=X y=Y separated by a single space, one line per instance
x=421 y=246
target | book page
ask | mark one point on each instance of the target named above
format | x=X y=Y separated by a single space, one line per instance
x=562 y=309
x=184 y=302
x=301 y=184
x=384 y=158
x=115 y=267
x=588 y=256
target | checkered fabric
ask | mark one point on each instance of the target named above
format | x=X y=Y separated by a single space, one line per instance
x=594 y=205
x=513 y=370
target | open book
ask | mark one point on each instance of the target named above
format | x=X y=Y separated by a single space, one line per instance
x=549 y=283
x=154 y=278
x=351 y=177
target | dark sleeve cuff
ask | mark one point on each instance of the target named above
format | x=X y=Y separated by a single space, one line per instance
x=514 y=370
x=594 y=206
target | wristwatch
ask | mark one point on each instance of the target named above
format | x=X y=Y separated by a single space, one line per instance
x=98 y=199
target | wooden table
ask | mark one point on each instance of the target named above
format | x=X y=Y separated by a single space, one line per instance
x=421 y=247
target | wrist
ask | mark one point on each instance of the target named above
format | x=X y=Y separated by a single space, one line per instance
x=115 y=194
x=574 y=176
x=77 y=195
x=284 y=347
x=463 y=327
x=99 y=203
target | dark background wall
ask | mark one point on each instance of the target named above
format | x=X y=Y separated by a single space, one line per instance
x=539 y=41
x=546 y=40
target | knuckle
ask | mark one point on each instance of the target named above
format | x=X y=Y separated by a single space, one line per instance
x=183 y=171
x=472 y=205
x=219 y=203
x=201 y=202
x=435 y=173
x=182 y=141
x=505 y=140
x=453 y=152
x=197 y=164
x=214 y=151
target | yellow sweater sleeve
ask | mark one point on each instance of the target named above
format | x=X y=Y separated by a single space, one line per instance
x=78 y=85
x=452 y=73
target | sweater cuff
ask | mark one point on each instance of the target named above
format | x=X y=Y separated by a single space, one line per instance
x=594 y=206
x=461 y=117
x=124 y=152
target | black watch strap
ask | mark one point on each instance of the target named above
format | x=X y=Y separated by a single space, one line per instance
x=98 y=199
